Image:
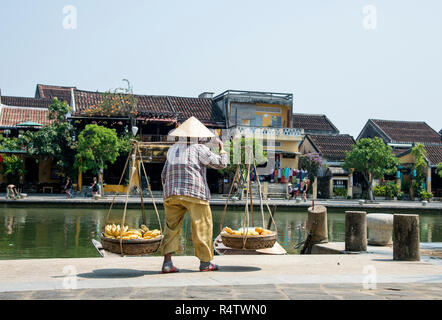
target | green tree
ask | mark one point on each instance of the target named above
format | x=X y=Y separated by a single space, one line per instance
x=54 y=139
x=310 y=162
x=439 y=169
x=259 y=156
x=420 y=166
x=373 y=159
x=97 y=146
x=237 y=148
x=13 y=169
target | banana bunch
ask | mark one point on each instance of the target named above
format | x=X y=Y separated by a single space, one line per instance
x=250 y=232
x=113 y=231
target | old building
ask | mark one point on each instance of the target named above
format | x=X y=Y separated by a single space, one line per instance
x=402 y=136
x=267 y=116
x=332 y=148
x=18 y=115
x=155 y=116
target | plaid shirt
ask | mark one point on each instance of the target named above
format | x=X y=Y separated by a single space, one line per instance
x=184 y=172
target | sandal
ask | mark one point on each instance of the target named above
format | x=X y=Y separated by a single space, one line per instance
x=170 y=270
x=211 y=267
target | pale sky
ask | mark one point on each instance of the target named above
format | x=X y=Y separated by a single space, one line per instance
x=321 y=51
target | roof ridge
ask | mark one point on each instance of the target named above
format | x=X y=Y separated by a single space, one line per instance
x=310 y=114
x=145 y=95
x=24 y=107
x=34 y=98
x=398 y=120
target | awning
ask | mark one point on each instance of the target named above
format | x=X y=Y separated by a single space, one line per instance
x=29 y=124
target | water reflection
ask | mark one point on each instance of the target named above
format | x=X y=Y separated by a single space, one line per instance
x=65 y=233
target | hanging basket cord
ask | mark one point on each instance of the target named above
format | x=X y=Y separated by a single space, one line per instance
x=246 y=221
x=133 y=154
x=119 y=183
x=150 y=190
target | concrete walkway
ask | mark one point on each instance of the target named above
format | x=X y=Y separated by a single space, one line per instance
x=361 y=276
x=219 y=201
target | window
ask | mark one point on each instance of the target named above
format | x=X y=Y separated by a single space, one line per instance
x=276 y=121
x=258 y=121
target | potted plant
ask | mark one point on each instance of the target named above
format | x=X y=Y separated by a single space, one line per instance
x=340 y=193
x=379 y=192
x=391 y=190
x=425 y=196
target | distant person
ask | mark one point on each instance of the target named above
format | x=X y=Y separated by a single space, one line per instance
x=11 y=192
x=292 y=190
x=95 y=187
x=305 y=185
x=68 y=187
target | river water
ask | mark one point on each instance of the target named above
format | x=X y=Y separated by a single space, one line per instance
x=29 y=233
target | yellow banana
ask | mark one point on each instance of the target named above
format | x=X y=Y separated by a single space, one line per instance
x=228 y=230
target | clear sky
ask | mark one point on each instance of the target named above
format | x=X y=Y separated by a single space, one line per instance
x=321 y=51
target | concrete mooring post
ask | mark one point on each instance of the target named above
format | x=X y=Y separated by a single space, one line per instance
x=406 y=237
x=355 y=231
x=317 y=224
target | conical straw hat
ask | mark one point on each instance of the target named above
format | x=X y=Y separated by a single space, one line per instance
x=192 y=128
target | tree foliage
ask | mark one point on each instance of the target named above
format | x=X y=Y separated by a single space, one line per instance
x=439 y=169
x=97 y=146
x=310 y=162
x=54 y=139
x=372 y=158
x=114 y=104
x=13 y=168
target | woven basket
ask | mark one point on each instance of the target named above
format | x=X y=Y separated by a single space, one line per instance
x=132 y=247
x=252 y=242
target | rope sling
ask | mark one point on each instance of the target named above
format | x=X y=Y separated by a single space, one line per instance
x=239 y=179
x=134 y=155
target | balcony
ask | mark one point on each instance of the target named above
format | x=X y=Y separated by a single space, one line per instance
x=295 y=134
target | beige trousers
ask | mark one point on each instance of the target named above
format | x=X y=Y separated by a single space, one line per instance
x=175 y=208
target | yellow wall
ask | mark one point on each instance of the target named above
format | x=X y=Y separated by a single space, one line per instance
x=44 y=171
x=267 y=121
x=306 y=147
x=289 y=163
x=289 y=146
x=115 y=188
x=408 y=158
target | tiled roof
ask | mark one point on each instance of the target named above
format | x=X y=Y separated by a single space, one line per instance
x=11 y=116
x=407 y=131
x=201 y=108
x=150 y=107
x=434 y=153
x=332 y=147
x=159 y=107
x=26 y=102
x=314 y=123
x=49 y=92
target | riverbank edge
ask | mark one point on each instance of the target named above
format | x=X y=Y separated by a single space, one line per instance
x=134 y=202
